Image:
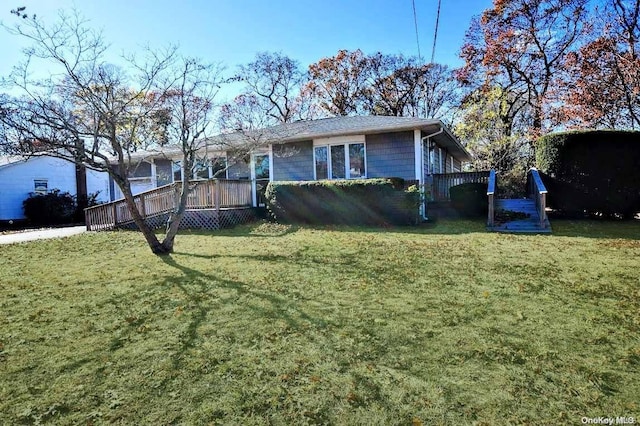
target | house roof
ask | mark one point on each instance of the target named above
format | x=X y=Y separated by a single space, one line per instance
x=10 y=160
x=325 y=128
x=346 y=126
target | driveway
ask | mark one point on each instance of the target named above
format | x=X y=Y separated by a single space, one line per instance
x=41 y=234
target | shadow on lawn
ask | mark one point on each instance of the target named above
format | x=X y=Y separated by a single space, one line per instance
x=196 y=286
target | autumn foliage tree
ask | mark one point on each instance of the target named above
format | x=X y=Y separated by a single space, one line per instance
x=601 y=88
x=520 y=46
x=352 y=82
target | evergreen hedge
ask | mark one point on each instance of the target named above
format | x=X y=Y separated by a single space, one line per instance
x=595 y=173
x=346 y=202
x=470 y=199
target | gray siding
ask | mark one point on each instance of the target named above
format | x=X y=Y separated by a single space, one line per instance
x=457 y=165
x=239 y=170
x=391 y=155
x=293 y=161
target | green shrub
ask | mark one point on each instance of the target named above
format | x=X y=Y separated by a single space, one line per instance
x=470 y=199
x=350 y=202
x=53 y=208
x=591 y=173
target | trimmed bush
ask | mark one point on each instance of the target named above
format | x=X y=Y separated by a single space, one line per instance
x=470 y=199
x=347 y=202
x=53 y=208
x=593 y=173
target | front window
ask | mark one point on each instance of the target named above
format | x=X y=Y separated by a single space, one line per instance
x=176 y=167
x=201 y=169
x=322 y=163
x=218 y=168
x=356 y=160
x=343 y=161
x=337 y=162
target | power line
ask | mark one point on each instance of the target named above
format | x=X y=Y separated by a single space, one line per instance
x=435 y=34
x=415 y=24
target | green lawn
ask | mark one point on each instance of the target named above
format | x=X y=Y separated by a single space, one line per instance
x=265 y=324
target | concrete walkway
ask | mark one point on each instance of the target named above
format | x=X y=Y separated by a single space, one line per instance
x=41 y=234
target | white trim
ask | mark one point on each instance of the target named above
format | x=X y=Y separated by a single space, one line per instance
x=154 y=172
x=340 y=140
x=417 y=154
x=252 y=175
x=270 y=162
x=440 y=160
x=451 y=164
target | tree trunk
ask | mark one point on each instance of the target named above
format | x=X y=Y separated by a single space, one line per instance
x=175 y=217
x=150 y=236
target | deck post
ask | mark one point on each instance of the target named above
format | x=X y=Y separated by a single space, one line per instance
x=216 y=193
x=491 y=190
x=543 y=209
x=490 y=218
x=115 y=215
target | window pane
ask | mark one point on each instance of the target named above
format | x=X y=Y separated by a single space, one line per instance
x=177 y=171
x=262 y=166
x=142 y=169
x=356 y=160
x=337 y=162
x=201 y=169
x=218 y=168
x=322 y=171
x=40 y=186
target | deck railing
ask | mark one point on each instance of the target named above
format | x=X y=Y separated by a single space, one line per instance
x=204 y=194
x=491 y=192
x=443 y=182
x=538 y=192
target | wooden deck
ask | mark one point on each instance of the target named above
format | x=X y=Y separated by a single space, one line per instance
x=217 y=198
x=530 y=225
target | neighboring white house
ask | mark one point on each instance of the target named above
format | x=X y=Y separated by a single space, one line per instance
x=20 y=176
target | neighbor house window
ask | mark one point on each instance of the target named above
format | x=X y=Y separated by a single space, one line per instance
x=40 y=186
x=341 y=161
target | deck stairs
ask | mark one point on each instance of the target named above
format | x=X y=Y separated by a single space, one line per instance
x=530 y=224
x=520 y=215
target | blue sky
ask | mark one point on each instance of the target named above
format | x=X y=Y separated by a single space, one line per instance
x=233 y=31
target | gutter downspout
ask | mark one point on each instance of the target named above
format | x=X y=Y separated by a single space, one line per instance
x=429 y=136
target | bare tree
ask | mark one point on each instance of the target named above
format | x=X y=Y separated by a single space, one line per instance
x=97 y=114
x=272 y=93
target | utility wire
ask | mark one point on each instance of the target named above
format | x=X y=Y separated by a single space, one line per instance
x=435 y=34
x=415 y=24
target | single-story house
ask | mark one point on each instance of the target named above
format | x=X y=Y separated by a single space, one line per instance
x=357 y=147
x=21 y=176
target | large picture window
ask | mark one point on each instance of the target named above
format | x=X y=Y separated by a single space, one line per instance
x=341 y=161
